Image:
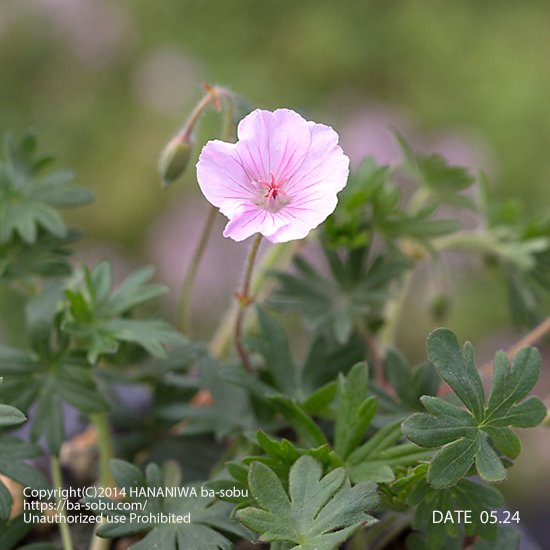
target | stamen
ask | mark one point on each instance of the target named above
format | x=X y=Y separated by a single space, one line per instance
x=273 y=187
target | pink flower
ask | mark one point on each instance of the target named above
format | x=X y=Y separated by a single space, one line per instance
x=280 y=179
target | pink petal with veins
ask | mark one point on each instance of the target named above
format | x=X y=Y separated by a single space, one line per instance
x=280 y=179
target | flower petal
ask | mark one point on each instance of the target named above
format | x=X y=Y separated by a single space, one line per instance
x=280 y=179
x=222 y=178
x=314 y=186
x=325 y=168
x=249 y=220
x=273 y=142
x=303 y=219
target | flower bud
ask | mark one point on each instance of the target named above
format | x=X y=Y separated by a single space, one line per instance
x=175 y=158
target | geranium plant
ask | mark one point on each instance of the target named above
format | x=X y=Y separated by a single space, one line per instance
x=245 y=441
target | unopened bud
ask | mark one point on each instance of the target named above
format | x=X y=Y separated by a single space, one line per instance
x=175 y=158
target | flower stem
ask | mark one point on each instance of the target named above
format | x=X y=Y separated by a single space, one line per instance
x=191 y=274
x=277 y=256
x=228 y=128
x=212 y=97
x=244 y=299
x=394 y=312
x=105 y=444
x=57 y=481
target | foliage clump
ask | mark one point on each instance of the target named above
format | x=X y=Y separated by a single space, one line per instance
x=345 y=441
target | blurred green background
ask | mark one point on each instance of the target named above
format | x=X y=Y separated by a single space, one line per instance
x=106 y=83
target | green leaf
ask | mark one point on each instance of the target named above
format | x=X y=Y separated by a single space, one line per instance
x=457 y=369
x=47 y=383
x=355 y=410
x=208 y=523
x=408 y=383
x=470 y=436
x=442 y=180
x=527 y=414
x=273 y=346
x=97 y=316
x=373 y=460
x=505 y=440
x=508 y=538
x=317 y=513
x=465 y=495
x=5 y=503
x=441 y=177
x=371 y=203
x=317 y=401
x=13 y=456
x=488 y=463
x=325 y=360
x=10 y=416
x=47 y=257
x=309 y=433
x=281 y=454
x=356 y=290
x=511 y=384
x=451 y=463
x=16 y=529
x=28 y=203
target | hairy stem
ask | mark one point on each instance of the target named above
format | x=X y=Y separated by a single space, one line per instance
x=529 y=339
x=394 y=312
x=57 y=481
x=192 y=269
x=244 y=299
x=105 y=445
x=277 y=256
x=191 y=274
x=212 y=97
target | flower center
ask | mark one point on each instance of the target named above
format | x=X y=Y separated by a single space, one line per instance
x=275 y=197
x=273 y=187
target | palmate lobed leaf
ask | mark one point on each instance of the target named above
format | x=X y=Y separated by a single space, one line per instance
x=465 y=495
x=317 y=513
x=444 y=181
x=355 y=410
x=356 y=290
x=471 y=436
x=210 y=520
x=371 y=204
x=352 y=410
x=409 y=383
x=28 y=202
x=47 y=257
x=13 y=455
x=97 y=316
x=48 y=384
x=376 y=459
x=312 y=387
x=274 y=347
